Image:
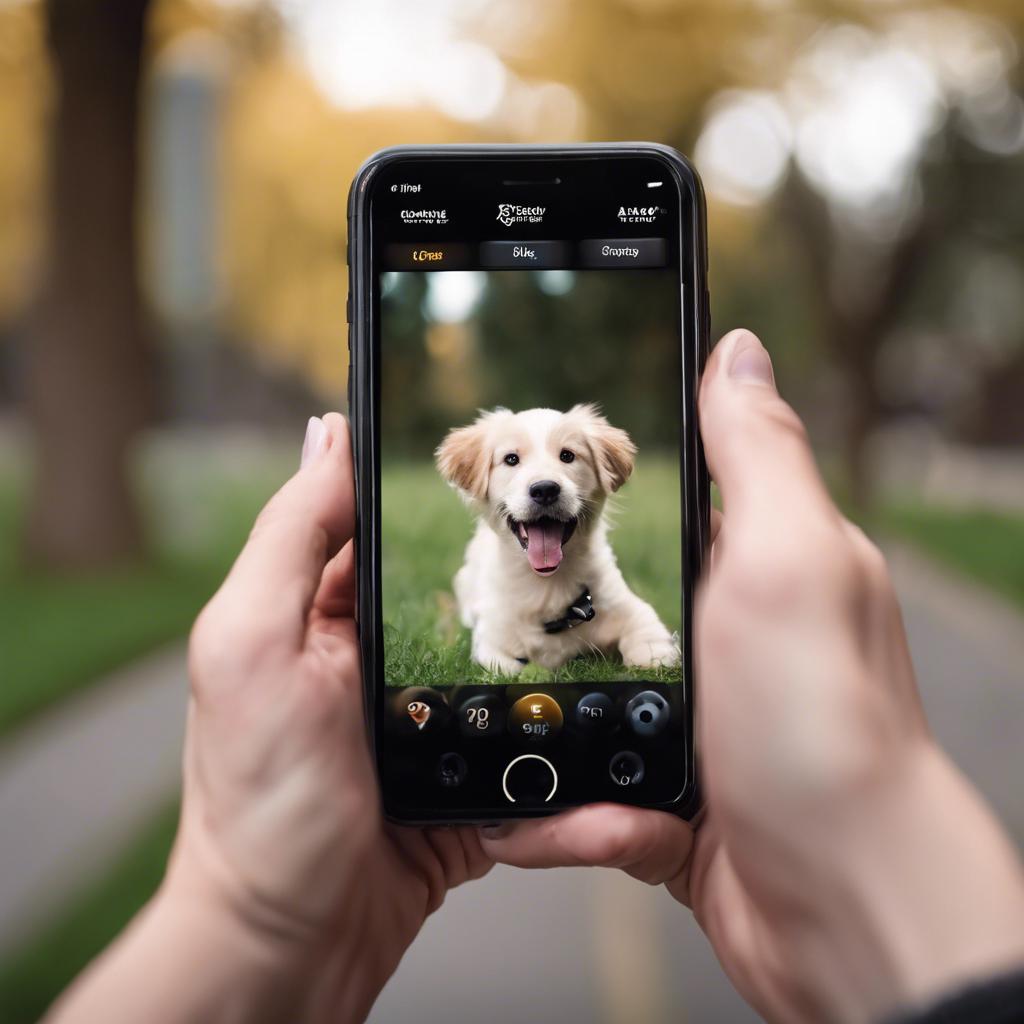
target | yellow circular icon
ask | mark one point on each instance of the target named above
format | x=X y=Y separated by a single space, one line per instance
x=535 y=716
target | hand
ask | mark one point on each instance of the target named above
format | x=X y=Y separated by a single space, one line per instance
x=287 y=896
x=845 y=869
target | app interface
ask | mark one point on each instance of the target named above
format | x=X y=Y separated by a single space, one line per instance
x=530 y=390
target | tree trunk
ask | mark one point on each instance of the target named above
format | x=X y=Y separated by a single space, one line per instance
x=854 y=333
x=89 y=384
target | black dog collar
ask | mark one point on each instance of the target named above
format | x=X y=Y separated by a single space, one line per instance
x=581 y=610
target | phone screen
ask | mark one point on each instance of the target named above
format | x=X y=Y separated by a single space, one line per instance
x=530 y=384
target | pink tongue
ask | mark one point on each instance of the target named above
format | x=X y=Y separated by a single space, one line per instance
x=545 y=544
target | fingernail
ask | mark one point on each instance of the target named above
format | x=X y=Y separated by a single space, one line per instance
x=750 y=362
x=316 y=440
x=498 y=831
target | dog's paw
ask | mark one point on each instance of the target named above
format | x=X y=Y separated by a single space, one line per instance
x=650 y=651
x=495 y=661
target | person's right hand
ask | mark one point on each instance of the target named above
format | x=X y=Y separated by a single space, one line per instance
x=845 y=869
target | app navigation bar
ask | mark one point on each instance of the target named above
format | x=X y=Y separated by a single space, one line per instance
x=508 y=254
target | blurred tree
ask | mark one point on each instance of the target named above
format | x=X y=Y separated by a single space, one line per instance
x=625 y=68
x=89 y=361
x=648 y=69
x=858 y=289
x=875 y=298
x=24 y=97
x=608 y=339
x=288 y=158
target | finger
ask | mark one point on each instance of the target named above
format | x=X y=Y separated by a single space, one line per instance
x=478 y=863
x=716 y=526
x=275 y=578
x=336 y=595
x=755 y=444
x=650 y=845
x=460 y=854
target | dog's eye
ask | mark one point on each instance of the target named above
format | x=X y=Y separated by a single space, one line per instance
x=567 y=456
x=511 y=459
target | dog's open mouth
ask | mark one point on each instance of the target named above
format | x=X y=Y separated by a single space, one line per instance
x=542 y=540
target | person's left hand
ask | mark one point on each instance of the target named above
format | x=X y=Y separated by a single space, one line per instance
x=281 y=829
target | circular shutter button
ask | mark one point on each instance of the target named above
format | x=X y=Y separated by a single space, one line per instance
x=481 y=717
x=529 y=779
x=535 y=717
x=596 y=713
x=626 y=769
x=647 y=713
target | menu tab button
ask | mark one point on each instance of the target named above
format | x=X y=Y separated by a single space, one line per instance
x=623 y=252
x=523 y=255
x=426 y=256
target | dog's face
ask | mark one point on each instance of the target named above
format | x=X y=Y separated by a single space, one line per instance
x=540 y=477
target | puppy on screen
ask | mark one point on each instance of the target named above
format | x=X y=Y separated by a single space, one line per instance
x=540 y=582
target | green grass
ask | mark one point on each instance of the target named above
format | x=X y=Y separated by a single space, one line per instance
x=425 y=529
x=40 y=970
x=59 y=633
x=984 y=545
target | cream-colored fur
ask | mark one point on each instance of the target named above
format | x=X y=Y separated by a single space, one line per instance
x=501 y=597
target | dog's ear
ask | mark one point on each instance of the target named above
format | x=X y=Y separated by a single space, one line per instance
x=464 y=460
x=613 y=449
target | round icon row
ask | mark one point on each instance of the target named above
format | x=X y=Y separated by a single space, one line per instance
x=537 y=716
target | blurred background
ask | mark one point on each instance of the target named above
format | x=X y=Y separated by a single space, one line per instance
x=173 y=176
x=455 y=342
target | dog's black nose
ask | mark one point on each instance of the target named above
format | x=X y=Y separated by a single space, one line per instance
x=545 y=492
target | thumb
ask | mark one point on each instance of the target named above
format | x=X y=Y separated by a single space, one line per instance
x=303 y=526
x=756 y=447
x=652 y=846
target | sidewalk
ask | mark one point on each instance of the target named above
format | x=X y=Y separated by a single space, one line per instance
x=559 y=946
x=968 y=649
x=77 y=783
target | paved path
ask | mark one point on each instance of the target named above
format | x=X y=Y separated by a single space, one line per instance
x=78 y=783
x=968 y=648
x=559 y=946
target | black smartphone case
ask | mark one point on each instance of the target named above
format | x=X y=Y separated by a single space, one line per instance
x=364 y=417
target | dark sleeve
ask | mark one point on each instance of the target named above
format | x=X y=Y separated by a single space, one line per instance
x=994 y=1001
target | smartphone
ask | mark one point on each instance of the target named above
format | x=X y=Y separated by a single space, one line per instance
x=528 y=325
